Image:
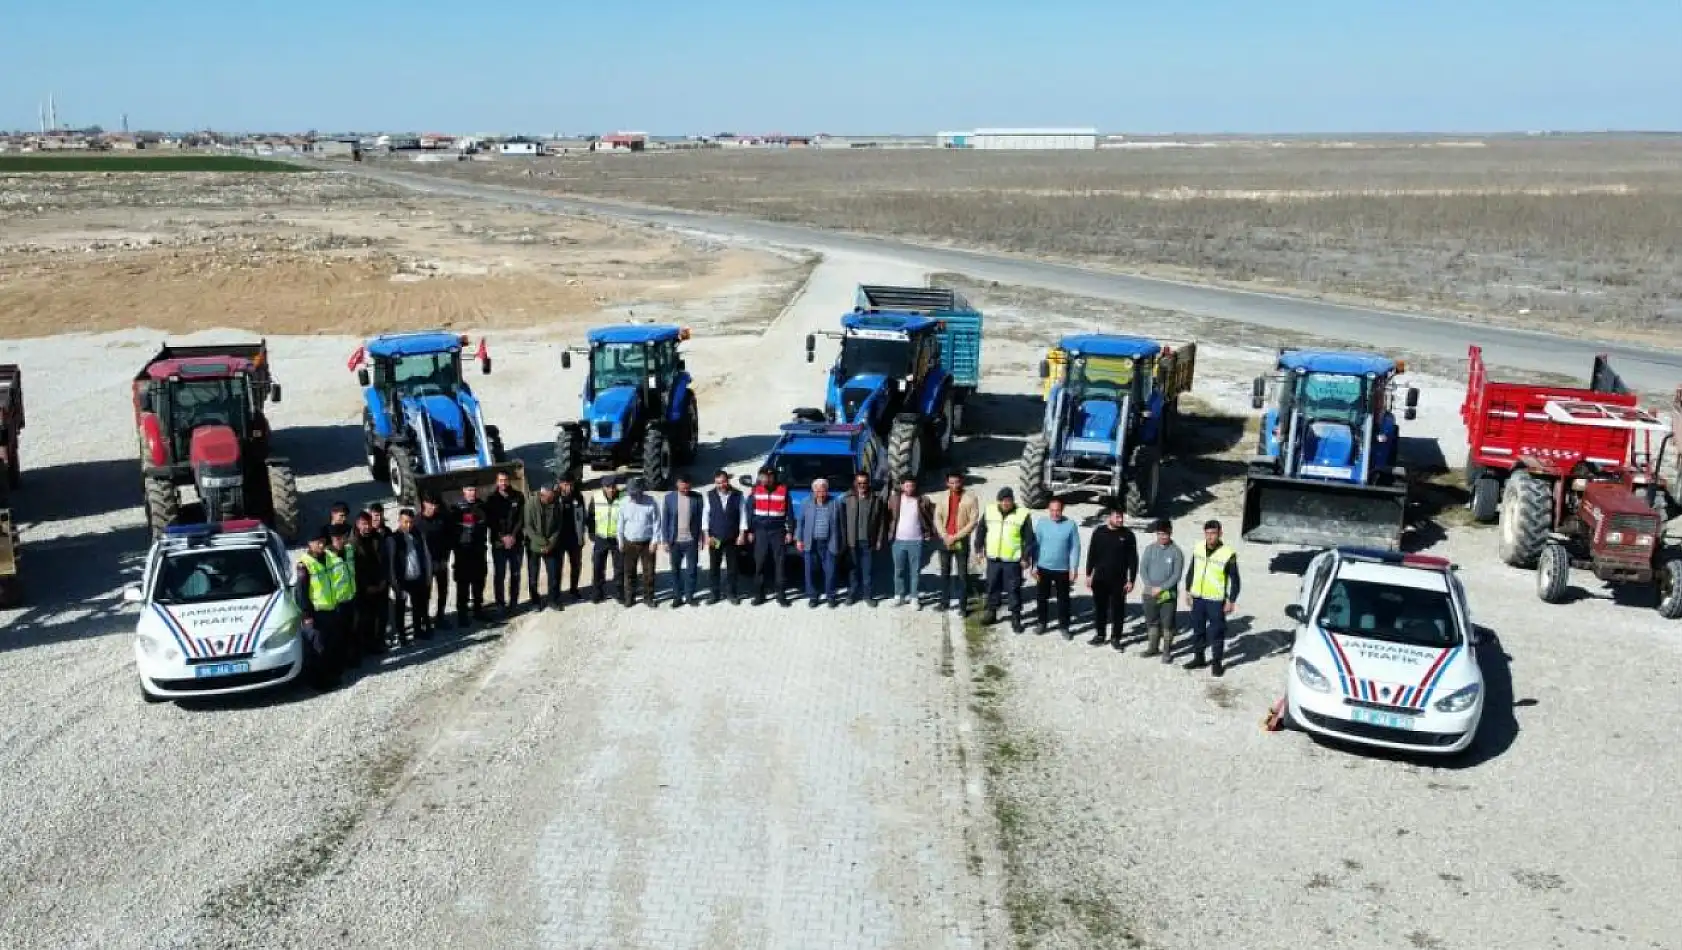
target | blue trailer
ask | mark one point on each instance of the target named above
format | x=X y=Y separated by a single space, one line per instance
x=910 y=358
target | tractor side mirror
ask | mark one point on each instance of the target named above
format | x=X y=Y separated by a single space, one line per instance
x=131 y=594
x=362 y=378
x=1412 y=398
x=485 y=366
x=1409 y=414
x=1258 y=392
x=274 y=392
x=811 y=347
x=566 y=359
x=1296 y=613
x=145 y=401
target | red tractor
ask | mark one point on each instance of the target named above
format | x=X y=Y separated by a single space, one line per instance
x=1573 y=477
x=199 y=413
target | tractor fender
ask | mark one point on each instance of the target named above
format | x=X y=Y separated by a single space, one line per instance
x=377 y=411
x=934 y=388
x=682 y=383
x=1150 y=426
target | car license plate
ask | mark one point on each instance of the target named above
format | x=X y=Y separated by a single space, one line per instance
x=221 y=669
x=1378 y=718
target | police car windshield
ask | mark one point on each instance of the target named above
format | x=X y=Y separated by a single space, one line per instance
x=890 y=358
x=1393 y=614
x=799 y=471
x=214 y=574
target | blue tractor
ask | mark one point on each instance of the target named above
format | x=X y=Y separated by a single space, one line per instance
x=422 y=427
x=1110 y=405
x=910 y=358
x=640 y=409
x=807 y=451
x=1327 y=471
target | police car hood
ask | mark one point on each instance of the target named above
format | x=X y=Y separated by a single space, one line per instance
x=223 y=628
x=1386 y=672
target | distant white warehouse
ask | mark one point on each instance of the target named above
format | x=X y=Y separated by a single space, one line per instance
x=1022 y=139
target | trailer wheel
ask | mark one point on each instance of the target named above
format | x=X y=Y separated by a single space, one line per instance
x=402 y=476
x=1142 y=487
x=1486 y=499
x=283 y=501
x=1553 y=572
x=1669 y=582
x=568 y=461
x=1030 y=473
x=163 y=504
x=1526 y=519
x=905 y=449
x=656 y=459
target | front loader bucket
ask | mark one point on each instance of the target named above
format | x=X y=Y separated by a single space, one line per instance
x=447 y=486
x=1314 y=514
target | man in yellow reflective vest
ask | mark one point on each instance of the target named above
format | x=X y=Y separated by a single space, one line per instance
x=601 y=521
x=341 y=559
x=1005 y=537
x=315 y=593
x=1211 y=595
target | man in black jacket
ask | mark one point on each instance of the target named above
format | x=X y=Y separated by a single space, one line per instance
x=438 y=530
x=506 y=511
x=472 y=536
x=1112 y=566
x=410 y=568
x=569 y=550
x=372 y=587
x=726 y=530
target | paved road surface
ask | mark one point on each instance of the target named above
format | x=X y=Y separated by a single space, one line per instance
x=1445 y=336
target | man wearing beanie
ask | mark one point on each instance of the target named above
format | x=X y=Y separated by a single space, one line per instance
x=1160 y=568
x=1005 y=538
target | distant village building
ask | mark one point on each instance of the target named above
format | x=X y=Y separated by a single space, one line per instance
x=520 y=146
x=625 y=141
x=1063 y=139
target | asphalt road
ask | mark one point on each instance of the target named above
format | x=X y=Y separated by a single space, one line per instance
x=1645 y=369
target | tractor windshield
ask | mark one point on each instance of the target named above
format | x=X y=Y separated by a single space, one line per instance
x=198 y=403
x=1328 y=397
x=1408 y=615
x=618 y=364
x=869 y=355
x=800 y=471
x=198 y=577
x=1102 y=377
x=423 y=374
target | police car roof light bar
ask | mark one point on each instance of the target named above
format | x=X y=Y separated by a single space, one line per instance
x=1428 y=561
x=823 y=428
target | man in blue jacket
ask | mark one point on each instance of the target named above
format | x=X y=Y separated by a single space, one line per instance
x=682 y=531
x=818 y=538
x=1056 y=559
x=726 y=532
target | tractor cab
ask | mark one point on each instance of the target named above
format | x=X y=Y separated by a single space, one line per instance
x=638 y=358
x=1327 y=408
x=639 y=404
x=1097 y=381
x=199 y=402
x=885 y=361
x=416 y=365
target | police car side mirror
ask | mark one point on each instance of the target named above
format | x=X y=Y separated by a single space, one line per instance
x=131 y=594
x=746 y=480
x=362 y=378
x=1296 y=613
x=566 y=360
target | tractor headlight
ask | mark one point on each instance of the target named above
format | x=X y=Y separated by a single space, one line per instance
x=1311 y=677
x=281 y=635
x=1644 y=540
x=1460 y=700
x=1614 y=537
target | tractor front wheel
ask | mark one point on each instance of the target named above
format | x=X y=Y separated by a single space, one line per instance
x=1526 y=519
x=1553 y=572
x=1142 y=487
x=1486 y=499
x=402 y=476
x=569 y=453
x=283 y=501
x=656 y=459
x=1030 y=474
x=905 y=449
x=1668 y=578
x=163 y=504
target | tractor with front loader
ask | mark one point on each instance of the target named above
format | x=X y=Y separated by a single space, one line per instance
x=1327 y=471
x=639 y=405
x=1110 y=406
x=199 y=415
x=910 y=358
x=423 y=428
x=1572 y=475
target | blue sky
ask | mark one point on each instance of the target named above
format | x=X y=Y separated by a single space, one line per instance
x=861 y=66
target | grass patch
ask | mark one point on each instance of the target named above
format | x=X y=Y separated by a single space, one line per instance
x=128 y=162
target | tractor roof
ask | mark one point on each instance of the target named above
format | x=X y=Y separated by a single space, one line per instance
x=413 y=344
x=198 y=367
x=1105 y=344
x=818 y=438
x=634 y=333
x=1336 y=361
x=890 y=321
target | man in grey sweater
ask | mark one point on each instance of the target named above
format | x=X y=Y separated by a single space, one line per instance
x=1161 y=565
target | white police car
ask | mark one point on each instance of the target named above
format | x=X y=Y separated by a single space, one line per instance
x=1384 y=653
x=216 y=613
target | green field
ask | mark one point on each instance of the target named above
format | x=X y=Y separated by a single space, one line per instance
x=132 y=162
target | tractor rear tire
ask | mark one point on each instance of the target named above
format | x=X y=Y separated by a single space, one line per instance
x=402 y=479
x=1526 y=519
x=1668 y=580
x=1142 y=487
x=656 y=460
x=1486 y=499
x=163 y=504
x=499 y=453
x=688 y=433
x=569 y=461
x=1553 y=572
x=1030 y=473
x=283 y=501
x=905 y=449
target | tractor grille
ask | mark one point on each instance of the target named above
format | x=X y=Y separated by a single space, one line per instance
x=1638 y=524
x=604 y=430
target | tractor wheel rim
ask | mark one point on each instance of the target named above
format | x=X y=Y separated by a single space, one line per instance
x=397 y=481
